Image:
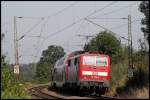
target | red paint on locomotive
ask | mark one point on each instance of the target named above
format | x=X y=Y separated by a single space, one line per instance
x=94 y=72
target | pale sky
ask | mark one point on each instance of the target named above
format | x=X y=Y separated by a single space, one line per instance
x=57 y=16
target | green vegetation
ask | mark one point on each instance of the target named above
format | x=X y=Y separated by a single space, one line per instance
x=10 y=88
x=47 y=61
x=106 y=42
x=144 y=8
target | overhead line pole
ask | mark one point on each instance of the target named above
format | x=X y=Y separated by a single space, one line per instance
x=130 y=45
x=16 y=65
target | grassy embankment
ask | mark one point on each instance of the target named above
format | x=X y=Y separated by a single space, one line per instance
x=123 y=87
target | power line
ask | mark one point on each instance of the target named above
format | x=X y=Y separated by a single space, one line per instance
x=80 y=26
x=42 y=18
x=66 y=27
x=120 y=9
x=37 y=36
x=38 y=50
x=102 y=8
x=71 y=5
x=34 y=26
x=70 y=25
x=77 y=29
x=100 y=26
x=122 y=25
x=97 y=25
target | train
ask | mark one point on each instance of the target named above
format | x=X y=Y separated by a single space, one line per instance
x=83 y=71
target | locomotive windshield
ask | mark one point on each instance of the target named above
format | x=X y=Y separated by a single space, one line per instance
x=95 y=60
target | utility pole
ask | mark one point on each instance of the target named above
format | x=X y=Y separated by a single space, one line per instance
x=130 y=47
x=16 y=65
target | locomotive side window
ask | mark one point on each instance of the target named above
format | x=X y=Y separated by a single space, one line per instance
x=69 y=63
x=76 y=61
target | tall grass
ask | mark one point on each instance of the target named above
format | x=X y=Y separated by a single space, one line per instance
x=121 y=84
x=118 y=76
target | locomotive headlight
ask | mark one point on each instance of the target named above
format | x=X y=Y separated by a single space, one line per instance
x=103 y=73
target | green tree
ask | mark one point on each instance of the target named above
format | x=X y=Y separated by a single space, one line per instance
x=104 y=42
x=144 y=8
x=47 y=61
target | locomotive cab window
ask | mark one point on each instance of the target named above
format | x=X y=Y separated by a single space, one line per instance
x=95 y=60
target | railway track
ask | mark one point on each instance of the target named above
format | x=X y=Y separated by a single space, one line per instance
x=38 y=93
x=42 y=92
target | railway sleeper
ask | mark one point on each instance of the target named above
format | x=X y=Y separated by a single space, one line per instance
x=92 y=90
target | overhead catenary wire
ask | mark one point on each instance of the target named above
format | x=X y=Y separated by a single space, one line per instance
x=110 y=4
x=41 y=21
x=60 y=11
x=66 y=27
x=122 y=25
x=80 y=26
x=70 y=25
x=39 y=36
x=116 y=10
x=38 y=23
x=106 y=29
x=38 y=50
x=42 y=18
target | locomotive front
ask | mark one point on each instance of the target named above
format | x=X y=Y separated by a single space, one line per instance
x=94 y=73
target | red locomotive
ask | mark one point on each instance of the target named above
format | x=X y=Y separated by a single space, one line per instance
x=83 y=71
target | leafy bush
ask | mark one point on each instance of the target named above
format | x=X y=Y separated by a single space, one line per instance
x=10 y=88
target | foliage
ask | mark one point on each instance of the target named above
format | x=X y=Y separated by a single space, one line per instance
x=47 y=61
x=104 y=42
x=10 y=88
x=121 y=84
x=144 y=8
x=27 y=71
